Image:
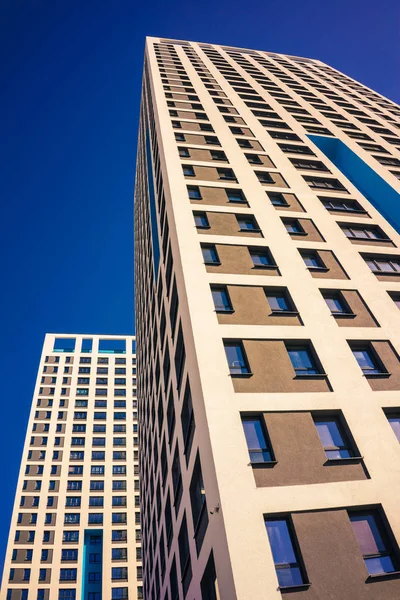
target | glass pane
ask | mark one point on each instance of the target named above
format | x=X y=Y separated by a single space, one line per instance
x=329 y=433
x=289 y=577
x=278 y=302
x=301 y=361
x=337 y=454
x=254 y=434
x=260 y=457
x=246 y=224
x=281 y=543
x=235 y=358
x=384 y=265
x=395 y=425
x=209 y=255
x=335 y=305
x=260 y=258
x=311 y=261
x=367 y=533
x=381 y=564
x=221 y=301
x=365 y=361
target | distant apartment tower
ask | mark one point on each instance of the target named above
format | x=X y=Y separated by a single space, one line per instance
x=75 y=528
x=268 y=328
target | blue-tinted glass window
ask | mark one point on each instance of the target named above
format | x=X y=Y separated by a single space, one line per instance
x=293 y=226
x=367 y=361
x=279 y=301
x=333 y=438
x=236 y=358
x=302 y=361
x=194 y=192
x=201 y=220
x=259 y=450
x=336 y=304
x=210 y=255
x=221 y=299
x=394 y=421
x=312 y=260
x=261 y=257
x=374 y=545
x=286 y=561
x=247 y=223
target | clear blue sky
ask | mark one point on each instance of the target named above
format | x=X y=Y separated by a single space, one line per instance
x=70 y=82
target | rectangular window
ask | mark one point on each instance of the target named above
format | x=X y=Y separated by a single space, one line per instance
x=221 y=299
x=236 y=358
x=368 y=361
x=293 y=226
x=226 y=174
x=303 y=361
x=313 y=261
x=256 y=438
x=188 y=171
x=236 y=196
x=373 y=233
x=280 y=301
x=394 y=421
x=286 y=559
x=247 y=223
x=374 y=543
x=386 y=265
x=210 y=254
x=194 y=192
x=201 y=220
x=336 y=303
x=334 y=440
x=261 y=258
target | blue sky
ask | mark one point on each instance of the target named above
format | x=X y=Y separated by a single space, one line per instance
x=70 y=89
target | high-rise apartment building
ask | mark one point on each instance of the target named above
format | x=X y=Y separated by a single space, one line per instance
x=75 y=529
x=267 y=269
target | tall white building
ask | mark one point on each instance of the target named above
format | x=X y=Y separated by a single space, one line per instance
x=267 y=269
x=75 y=528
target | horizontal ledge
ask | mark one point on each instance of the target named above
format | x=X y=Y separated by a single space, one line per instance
x=265 y=463
x=376 y=375
x=249 y=374
x=320 y=269
x=293 y=588
x=344 y=459
x=344 y=314
x=383 y=576
x=311 y=376
x=289 y=313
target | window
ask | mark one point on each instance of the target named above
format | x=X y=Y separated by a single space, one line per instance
x=119 y=554
x=312 y=260
x=277 y=199
x=256 y=438
x=236 y=196
x=119 y=535
x=336 y=303
x=384 y=264
x=264 y=177
x=68 y=574
x=184 y=152
x=65 y=594
x=247 y=223
x=210 y=254
x=226 y=174
x=119 y=573
x=72 y=518
x=286 y=559
x=364 y=233
x=120 y=593
x=236 y=357
x=188 y=171
x=201 y=220
x=253 y=159
x=261 y=258
x=293 y=226
x=374 y=543
x=194 y=192
x=69 y=555
x=303 y=361
x=323 y=183
x=280 y=301
x=336 y=204
x=394 y=421
x=335 y=442
x=95 y=519
x=368 y=360
x=221 y=299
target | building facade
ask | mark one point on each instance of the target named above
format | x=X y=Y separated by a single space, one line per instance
x=75 y=529
x=267 y=270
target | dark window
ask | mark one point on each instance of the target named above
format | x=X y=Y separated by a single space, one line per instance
x=279 y=301
x=236 y=196
x=336 y=303
x=194 y=192
x=286 y=559
x=360 y=232
x=386 y=265
x=226 y=174
x=394 y=421
x=256 y=438
x=293 y=226
x=221 y=299
x=336 y=204
x=201 y=220
x=210 y=254
x=333 y=438
x=312 y=260
x=303 y=360
x=261 y=258
x=188 y=171
x=248 y=223
x=236 y=357
x=368 y=360
x=264 y=177
x=184 y=152
x=374 y=542
x=322 y=183
x=277 y=199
